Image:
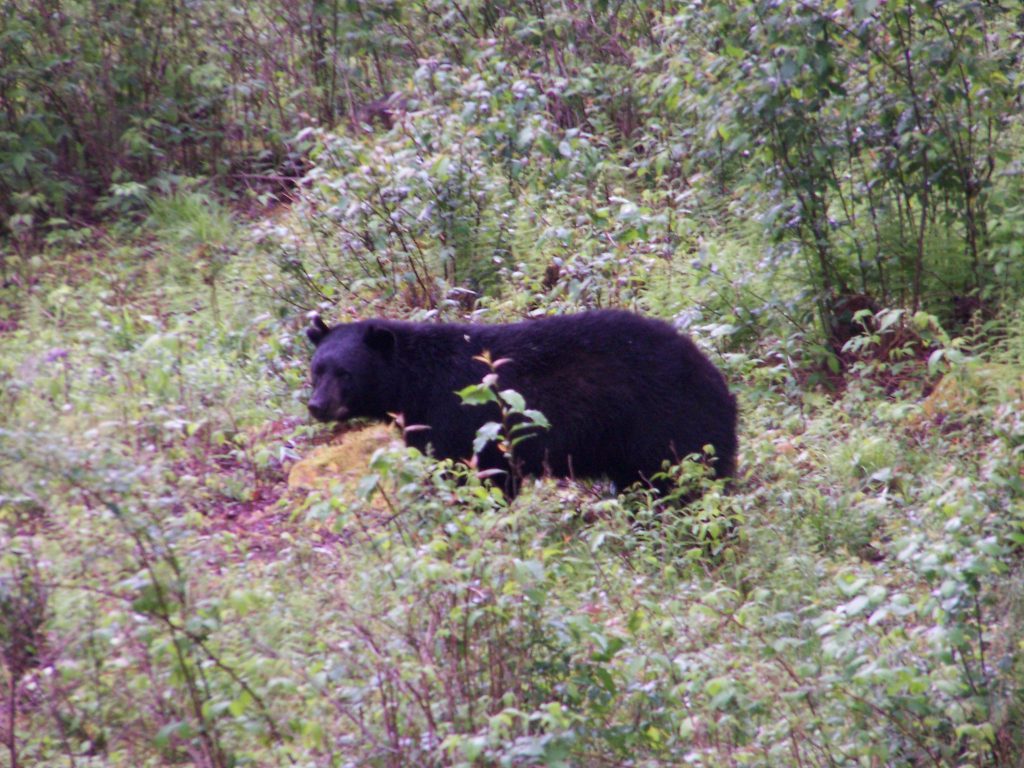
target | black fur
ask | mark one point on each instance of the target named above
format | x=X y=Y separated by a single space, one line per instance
x=623 y=393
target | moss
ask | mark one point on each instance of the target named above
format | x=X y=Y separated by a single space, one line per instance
x=342 y=462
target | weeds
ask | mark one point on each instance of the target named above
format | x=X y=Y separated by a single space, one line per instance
x=851 y=597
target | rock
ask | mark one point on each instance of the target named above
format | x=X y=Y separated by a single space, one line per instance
x=343 y=462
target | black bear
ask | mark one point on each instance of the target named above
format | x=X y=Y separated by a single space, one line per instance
x=623 y=393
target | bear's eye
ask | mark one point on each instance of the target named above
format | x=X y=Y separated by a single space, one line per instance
x=338 y=374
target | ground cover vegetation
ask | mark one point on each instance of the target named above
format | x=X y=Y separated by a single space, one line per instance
x=825 y=195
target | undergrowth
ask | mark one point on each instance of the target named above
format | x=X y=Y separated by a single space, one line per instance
x=853 y=597
x=825 y=196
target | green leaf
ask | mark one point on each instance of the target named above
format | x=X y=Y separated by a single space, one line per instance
x=477 y=394
x=178 y=730
x=149 y=600
x=857 y=605
x=538 y=418
x=241 y=704
x=367 y=485
x=514 y=400
x=20 y=160
x=487 y=434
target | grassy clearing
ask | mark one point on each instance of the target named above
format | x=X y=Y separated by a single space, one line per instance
x=854 y=599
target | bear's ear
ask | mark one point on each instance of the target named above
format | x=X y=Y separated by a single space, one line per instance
x=380 y=339
x=317 y=330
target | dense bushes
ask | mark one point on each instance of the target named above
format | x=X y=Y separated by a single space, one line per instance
x=97 y=96
x=876 y=140
x=888 y=132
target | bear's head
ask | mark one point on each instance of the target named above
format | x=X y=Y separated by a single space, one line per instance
x=350 y=370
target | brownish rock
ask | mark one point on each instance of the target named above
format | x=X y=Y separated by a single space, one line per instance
x=340 y=463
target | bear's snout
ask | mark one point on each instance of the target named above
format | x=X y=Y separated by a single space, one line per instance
x=317 y=410
x=324 y=412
